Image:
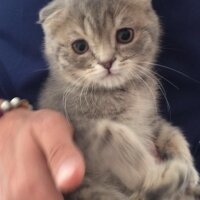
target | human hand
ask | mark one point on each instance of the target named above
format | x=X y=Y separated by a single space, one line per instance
x=38 y=158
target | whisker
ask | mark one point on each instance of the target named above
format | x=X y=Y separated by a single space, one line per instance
x=149 y=89
x=162 y=77
x=40 y=70
x=160 y=86
x=174 y=70
x=167 y=80
x=74 y=86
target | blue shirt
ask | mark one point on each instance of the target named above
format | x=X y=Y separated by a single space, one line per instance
x=23 y=69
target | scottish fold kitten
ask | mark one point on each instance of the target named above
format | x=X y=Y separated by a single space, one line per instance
x=101 y=77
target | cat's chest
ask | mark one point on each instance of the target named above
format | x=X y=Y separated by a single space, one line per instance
x=127 y=107
x=101 y=105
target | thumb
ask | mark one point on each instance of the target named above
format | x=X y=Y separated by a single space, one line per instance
x=54 y=135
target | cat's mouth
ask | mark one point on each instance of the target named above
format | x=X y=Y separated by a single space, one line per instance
x=111 y=74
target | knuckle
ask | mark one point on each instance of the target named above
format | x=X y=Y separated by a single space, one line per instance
x=48 y=117
x=14 y=119
x=55 y=153
x=18 y=115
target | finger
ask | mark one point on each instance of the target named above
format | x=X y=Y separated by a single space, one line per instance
x=32 y=179
x=54 y=136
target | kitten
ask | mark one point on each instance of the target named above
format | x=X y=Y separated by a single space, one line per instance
x=102 y=78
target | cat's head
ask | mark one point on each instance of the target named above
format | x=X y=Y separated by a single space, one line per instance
x=100 y=43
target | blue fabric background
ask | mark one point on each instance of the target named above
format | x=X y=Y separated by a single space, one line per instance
x=181 y=51
x=22 y=67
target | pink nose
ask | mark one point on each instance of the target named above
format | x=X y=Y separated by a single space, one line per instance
x=108 y=64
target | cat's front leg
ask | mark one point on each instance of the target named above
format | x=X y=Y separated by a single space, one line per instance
x=116 y=149
x=111 y=147
x=172 y=145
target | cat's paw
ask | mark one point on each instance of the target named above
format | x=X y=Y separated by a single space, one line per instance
x=168 y=179
x=193 y=176
x=110 y=132
x=193 y=181
x=105 y=126
x=122 y=153
x=177 y=174
x=137 y=196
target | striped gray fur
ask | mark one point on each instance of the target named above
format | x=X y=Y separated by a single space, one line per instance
x=116 y=118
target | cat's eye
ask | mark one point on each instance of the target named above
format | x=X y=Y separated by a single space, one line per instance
x=125 y=35
x=80 y=46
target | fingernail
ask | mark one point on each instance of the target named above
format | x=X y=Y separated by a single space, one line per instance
x=66 y=172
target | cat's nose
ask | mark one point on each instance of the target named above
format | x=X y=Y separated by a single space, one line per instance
x=108 y=64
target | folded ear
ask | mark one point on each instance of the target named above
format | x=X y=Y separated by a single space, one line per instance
x=51 y=10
